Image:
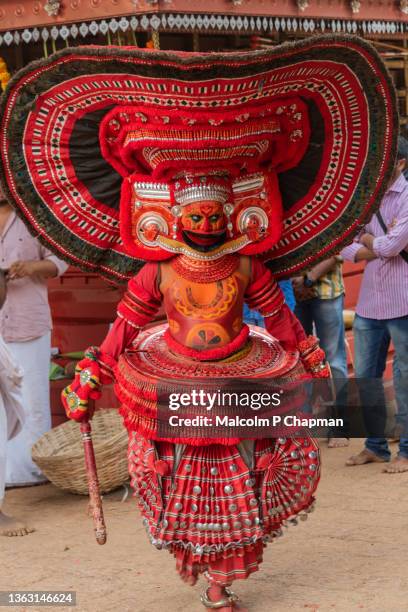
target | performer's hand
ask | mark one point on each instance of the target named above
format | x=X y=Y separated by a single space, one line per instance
x=314 y=358
x=77 y=397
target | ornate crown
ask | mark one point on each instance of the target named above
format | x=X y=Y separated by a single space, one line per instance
x=198 y=192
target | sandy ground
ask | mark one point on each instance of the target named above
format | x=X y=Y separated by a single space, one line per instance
x=350 y=555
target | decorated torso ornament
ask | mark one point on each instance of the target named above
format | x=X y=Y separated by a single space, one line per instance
x=204 y=313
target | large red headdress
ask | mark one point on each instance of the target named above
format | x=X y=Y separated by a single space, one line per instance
x=104 y=148
x=172 y=158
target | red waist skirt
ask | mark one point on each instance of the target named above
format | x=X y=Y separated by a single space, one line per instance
x=151 y=369
x=215 y=507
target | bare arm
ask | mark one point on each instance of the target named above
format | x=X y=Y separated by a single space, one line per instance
x=356 y=252
x=322 y=268
x=319 y=270
x=43 y=268
x=365 y=254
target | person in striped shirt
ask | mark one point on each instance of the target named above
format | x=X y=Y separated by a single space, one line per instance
x=319 y=303
x=382 y=314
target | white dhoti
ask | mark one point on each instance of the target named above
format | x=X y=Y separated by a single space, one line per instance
x=3 y=445
x=34 y=358
x=11 y=408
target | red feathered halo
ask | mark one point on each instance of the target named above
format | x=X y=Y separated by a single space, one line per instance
x=53 y=171
x=230 y=156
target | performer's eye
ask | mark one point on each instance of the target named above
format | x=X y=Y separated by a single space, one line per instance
x=214 y=218
x=196 y=218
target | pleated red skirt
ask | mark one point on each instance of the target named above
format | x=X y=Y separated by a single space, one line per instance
x=215 y=507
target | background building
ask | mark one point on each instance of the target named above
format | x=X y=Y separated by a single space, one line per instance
x=30 y=29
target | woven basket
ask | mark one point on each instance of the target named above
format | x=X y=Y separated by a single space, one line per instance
x=60 y=456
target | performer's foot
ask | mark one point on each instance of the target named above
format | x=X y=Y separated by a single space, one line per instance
x=397 y=465
x=11 y=527
x=338 y=442
x=215 y=596
x=365 y=456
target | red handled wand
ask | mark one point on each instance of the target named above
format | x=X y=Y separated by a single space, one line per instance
x=93 y=484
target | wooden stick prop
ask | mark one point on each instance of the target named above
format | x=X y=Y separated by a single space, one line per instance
x=93 y=484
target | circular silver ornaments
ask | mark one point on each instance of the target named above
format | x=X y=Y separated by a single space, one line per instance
x=176 y=211
x=248 y=214
x=85 y=377
x=228 y=209
x=150 y=219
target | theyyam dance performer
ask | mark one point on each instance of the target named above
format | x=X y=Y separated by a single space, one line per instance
x=201 y=179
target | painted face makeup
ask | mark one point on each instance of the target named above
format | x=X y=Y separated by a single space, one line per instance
x=204 y=225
